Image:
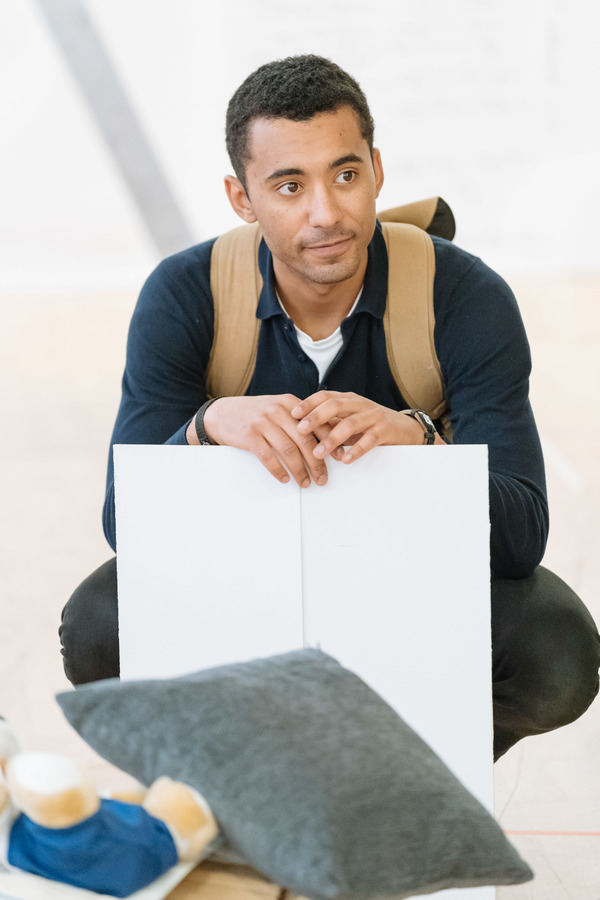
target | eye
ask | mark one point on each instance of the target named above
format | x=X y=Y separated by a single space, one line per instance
x=290 y=187
x=346 y=177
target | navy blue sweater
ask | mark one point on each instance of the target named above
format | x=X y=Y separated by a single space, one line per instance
x=480 y=342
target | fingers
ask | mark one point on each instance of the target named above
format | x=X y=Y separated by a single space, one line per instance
x=283 y=446
x=295 y=450
x=365 y=443
x=292 y=438
x=322 y=432
x=356 y=425
x=264 y=426
x=267 y=456
x=330 y=408
x=310 y=403
x=349 y=429
x=349 y=417
x=322 y=407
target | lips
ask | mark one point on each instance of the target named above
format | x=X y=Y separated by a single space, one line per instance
x=329 y=248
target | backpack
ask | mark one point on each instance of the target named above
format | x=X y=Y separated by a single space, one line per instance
x=409 y=321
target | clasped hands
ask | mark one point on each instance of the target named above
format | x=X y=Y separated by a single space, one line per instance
x=293 y=437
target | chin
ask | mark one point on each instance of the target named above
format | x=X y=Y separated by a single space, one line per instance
x=333 y=274
x=333 y=271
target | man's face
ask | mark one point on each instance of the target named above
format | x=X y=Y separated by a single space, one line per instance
x=312 y=187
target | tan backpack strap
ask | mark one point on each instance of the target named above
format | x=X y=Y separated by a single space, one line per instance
x=235 y=283
x=409 y=318
x=433 y=215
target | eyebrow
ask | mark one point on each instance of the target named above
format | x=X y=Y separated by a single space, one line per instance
x=288 y=173
x=344 y=160
x=283 y=173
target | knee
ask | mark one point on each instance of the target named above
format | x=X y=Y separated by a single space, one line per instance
x=89 y=628
x=562 y=672
x=550 y=661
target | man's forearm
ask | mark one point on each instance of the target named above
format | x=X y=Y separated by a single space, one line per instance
x=518 y=527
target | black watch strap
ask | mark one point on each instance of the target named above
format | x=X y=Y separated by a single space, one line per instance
x=201 y=434
x=425 y=422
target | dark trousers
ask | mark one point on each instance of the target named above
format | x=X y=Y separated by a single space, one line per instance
x=545 y=649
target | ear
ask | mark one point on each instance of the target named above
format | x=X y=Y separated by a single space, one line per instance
x=239 y=199
x=378 y=169
x=50 y=790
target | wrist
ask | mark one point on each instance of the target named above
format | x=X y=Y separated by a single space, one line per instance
x=425 y=424
x=199 y=424
x=191 y=437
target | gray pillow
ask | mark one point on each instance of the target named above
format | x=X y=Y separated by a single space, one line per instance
x=313 y=778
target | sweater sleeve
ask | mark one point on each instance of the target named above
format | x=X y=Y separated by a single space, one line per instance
x=486 y=363
x=168 y=347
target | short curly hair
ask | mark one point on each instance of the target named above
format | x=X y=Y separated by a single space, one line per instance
x=295 y=88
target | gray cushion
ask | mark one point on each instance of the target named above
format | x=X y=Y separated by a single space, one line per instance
x=313 y=778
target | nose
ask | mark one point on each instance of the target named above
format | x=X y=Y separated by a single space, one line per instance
x=323 y=209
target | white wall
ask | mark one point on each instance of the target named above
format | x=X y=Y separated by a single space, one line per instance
x=491 y=104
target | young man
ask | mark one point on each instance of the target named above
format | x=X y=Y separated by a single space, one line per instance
x=300 y=138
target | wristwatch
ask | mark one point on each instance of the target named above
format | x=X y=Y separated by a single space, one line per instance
x=201 y=434
x=425 y=422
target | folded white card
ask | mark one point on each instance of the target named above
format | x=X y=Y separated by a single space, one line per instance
x=386 y=568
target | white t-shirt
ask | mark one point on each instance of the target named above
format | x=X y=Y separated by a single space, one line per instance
x=325 y=351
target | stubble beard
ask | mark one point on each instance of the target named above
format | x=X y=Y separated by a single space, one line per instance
x=333 y=272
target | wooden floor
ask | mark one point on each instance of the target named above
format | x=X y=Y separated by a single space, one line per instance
x=61 y=360
x=219 y=882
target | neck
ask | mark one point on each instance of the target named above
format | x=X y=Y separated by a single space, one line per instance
x=318 y=309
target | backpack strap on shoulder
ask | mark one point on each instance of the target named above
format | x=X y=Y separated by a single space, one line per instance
x=432 y=215
x=409 y=319
x=235 y=283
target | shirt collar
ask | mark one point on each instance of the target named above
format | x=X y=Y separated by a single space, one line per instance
x=374 y=295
